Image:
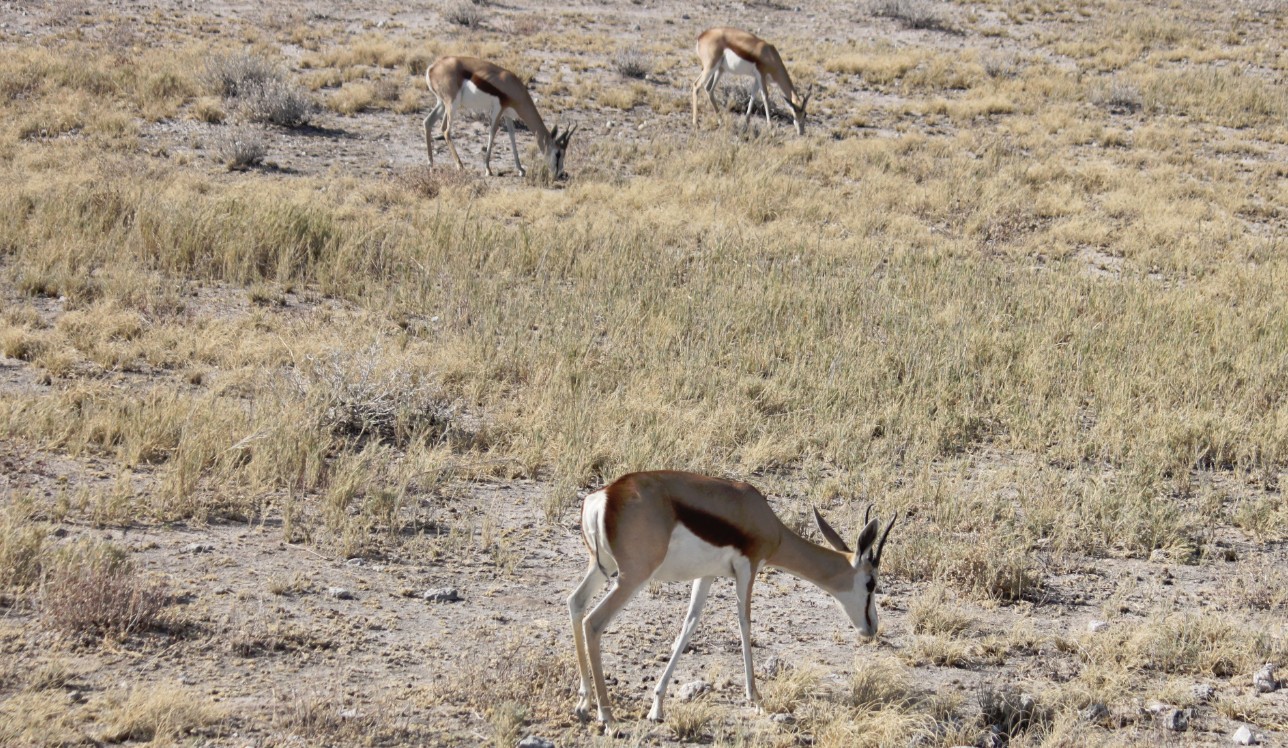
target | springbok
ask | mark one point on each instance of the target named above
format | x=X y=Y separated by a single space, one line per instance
x=724 y=50
x=473 y=85
x=674 y=526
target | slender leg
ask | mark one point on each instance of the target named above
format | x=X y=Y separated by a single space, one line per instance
x=514 y=147
x=491 y=138
x=700 y=589
x=577 y=609
x=744 y=578
x=433 y=117
x=751 y=100
x=594 y=626
x=711 y=93
x=764 y=96
x=447 y=135
x=700 y=83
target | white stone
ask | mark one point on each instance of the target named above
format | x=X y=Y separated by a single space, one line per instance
x=1096 y=627
x=1264 y=681
x=1244 y=736
x=691 y=691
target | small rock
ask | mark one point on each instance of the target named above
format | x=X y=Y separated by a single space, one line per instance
x=782 y=718
x=339 y=593
x=348 y=714
x=1264 y=681
x=1177 y=720
x=1096 y=627
x=195 y=548
x=691 y=691
x=1244 y=736
x=442 y=595
x=1158 y=556
x=1095 y=713
x=532 y=741
x=1203 y=692
x=772 y=668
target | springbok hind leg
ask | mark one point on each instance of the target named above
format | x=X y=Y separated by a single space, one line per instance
x=594 y=626
x=434 y=115
x=577 y=610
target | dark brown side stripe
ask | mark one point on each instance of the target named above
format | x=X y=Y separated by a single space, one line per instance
x=712 y=529
x=485 y=86
x=742 y=52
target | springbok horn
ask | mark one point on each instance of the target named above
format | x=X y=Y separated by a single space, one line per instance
x=881 y=546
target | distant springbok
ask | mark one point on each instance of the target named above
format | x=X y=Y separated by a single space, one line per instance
x=473 y=85
x=725 y=50
x=673 y=526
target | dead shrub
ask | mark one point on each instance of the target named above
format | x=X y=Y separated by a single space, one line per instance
x=1010 y=712
x=234 y=75
x=464 y=13
x=240 y=148
x=631 y=63
x=392 y=406
x=912 y=14
x=279 y=102
x=91 y=591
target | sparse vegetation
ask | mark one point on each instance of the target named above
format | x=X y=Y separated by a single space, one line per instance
x=240 y=148
x=1022 y=285
x=93 y=591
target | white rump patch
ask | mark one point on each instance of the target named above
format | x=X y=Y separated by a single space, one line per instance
x=592 y=526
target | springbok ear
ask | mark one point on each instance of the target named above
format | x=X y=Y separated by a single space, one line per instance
x=554 y=134
x=832 y=537
x=869 y=536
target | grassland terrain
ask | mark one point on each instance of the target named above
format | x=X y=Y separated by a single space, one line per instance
x=267 y=377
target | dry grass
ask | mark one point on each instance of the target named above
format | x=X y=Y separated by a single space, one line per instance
x=1036 y=303
x=92 y=591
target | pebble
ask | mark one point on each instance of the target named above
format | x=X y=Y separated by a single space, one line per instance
x=1244 y=736
x=442 y=595
x=782 y=718
x=1177 y=720
x=691 y=691
x=773 y=667
x=339 y=593
x=198 y=548
x=1158 y=556
x=1095 y=713
x=1264 y=680
x=1096 y=627
x=532 y=741
x=1203 y=692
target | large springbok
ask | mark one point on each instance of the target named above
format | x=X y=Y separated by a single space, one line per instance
x=473 y=85
x=673 y=526
x=724 y=50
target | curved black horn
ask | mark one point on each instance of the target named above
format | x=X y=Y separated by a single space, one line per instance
x=867 y=514
x=881 y=546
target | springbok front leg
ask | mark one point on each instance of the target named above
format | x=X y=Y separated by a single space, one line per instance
x=514 y=147
x=744 y=578
x=764 y=97
x=700 y=589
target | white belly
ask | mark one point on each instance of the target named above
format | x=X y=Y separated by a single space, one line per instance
x=735 y=65
x=690 y=557
x=473 y=99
